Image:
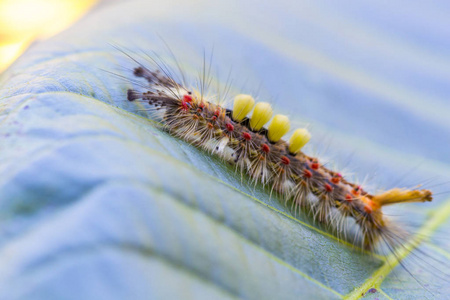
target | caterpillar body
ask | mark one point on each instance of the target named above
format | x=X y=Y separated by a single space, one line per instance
x=261 y=153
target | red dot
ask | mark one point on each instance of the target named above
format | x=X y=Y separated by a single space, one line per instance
x=217 y=112
x=336 y=180
x=201 y=105
x=328 y=188
x=246 y=136
x=184 y=106
x=307 y=173
x=214 y=118
x=265 y=148
x=230 y=127
x=187 y=98
x=315 y=165
x=285 y=160
x=356 y=191
x=349 y=198
x=368 y=208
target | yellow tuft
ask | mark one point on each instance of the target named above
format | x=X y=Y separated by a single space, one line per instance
x=299 y=139
x=279 y=126
x=243 y=104
x=261 y=115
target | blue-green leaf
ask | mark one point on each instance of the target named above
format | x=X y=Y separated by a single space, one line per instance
x=97 y=202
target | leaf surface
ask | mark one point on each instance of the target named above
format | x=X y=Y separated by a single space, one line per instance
x=96 y=201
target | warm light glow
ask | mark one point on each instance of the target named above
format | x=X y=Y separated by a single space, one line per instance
x=22 y=21
x=9 y=52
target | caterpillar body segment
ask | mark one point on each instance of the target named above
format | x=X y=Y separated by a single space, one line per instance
x=267 y=158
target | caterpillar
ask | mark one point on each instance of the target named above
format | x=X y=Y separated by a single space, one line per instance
x=261 y=152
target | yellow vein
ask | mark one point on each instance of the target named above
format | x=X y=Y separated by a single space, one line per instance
x=440 y=216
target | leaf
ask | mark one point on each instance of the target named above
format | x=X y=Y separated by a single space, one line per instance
x=98 y=202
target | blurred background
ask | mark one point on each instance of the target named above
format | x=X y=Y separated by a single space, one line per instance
x=23 y=21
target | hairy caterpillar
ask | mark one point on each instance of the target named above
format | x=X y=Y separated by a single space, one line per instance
x=261 y=153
